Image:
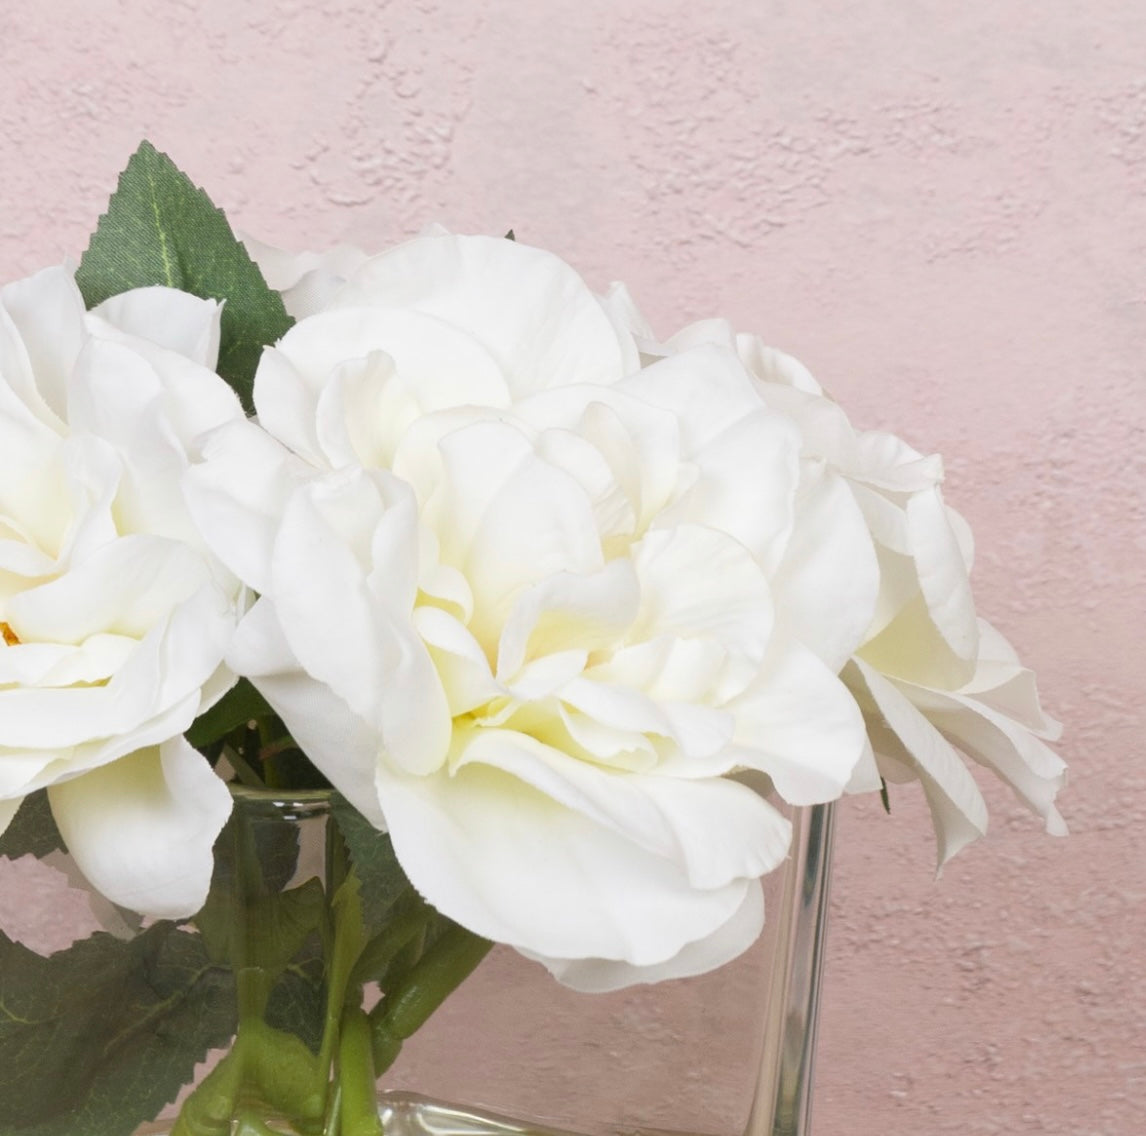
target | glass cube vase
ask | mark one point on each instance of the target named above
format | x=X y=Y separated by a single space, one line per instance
x=511 y=1052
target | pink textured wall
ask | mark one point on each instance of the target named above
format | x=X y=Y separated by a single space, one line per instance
x=940 y=207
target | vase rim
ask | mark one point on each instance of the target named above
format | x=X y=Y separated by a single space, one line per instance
x=279 y=796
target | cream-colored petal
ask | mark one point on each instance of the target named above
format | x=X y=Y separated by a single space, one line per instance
x=339 y=743
x=628 y=871
x=567 y=610
x=237 y=494
x=697 y=581
x=462 y=667
x=942 y=572
x=124 y=588
x=729 y=941
x=798 y=723
x=142 y=828
x=509 y=519
x=178 y=321
x=957 y=807
x=829 y=577
x=747 y=457
x=440 y=364
x=356 y=633
x=528 y=308
x=48 y=312
x=1000 y=743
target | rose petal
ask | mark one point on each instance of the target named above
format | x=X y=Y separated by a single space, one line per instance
x=995 y=740
x=942 y=574
x=461 y=664
x=886 y=462
x=356 y=533
x=957 y=806
x=696 y=581
x=19 y=770
x=910 y=647
x=729 y=941
x=618 y=749
x=829 y=577
x=339 y=743
x=178 y=321
x=124 y=588
x=865 y=777
x=309 y=280
x=747 y=456
x=362 y=413
x=237 y=495
x=94 y=660
x=798 y=723
x=509 y=519
x=440 y=365
x=526 y=307
x=772 y=366
x=612 y=507
x=584 y=889
x=617 y=706
x=48 y=312
x=286 y=403
x=566 y=611
x=1001 y=682
x=142 y=828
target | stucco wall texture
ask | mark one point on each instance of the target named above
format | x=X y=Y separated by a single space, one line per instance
x=939 y=207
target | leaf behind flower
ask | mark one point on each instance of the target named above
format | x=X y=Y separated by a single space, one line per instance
x=161 y=229
x=33 y=830
x=371 y=853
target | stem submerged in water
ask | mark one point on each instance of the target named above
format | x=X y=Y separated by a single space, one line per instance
x=270 y=1077
x=358 y=1109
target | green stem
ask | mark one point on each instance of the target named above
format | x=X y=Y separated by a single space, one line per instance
x=336 y=868
x=358 y=1111
x=264 y=1065
x=251 y=1124
x=208 y=1109
x=332 y=1125
x=439 y=972
x=333 y=1092
x=243 y=770
x=261 y=739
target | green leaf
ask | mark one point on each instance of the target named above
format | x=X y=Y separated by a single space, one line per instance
x=33 y=830
x=281 y=923
x=289 y=766
x=349 y=933
x=297 y=1001
x=160 y=228
x=884 y=797
x=278 y=925
x=509 y=236
x=241 y=704
x=383 y=882
x=99 y=1037
x=258 y=833
x=270 y=844
x=393 y=950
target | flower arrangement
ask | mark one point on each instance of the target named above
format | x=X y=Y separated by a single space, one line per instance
x=557 y=609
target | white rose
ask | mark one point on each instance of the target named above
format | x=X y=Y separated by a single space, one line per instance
x=931 y=677
x=115 y=617
x=530 y=606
